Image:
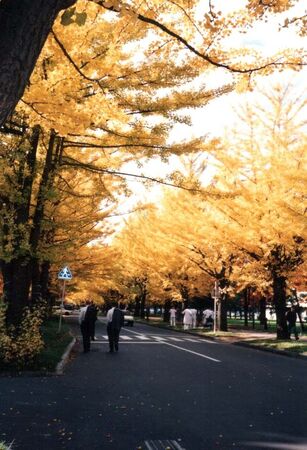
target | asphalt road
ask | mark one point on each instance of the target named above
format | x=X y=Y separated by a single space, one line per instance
x=161 y=390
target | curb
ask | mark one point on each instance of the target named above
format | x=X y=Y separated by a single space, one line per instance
x=271 y=350
x=59 y=370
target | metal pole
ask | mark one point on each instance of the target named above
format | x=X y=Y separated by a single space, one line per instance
x=214 y=318
x=62 y=305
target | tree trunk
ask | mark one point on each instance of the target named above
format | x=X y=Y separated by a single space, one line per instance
x=16 y=285
x=223 y=313
x=44 y=282
x=17 y=272
x=137 y=307
x=24 y=25
x=166 y=314
x=279 y=299
x=36 y=293
x=142 y=305
x=36 y=236
x=246 y=302
x=262 y=313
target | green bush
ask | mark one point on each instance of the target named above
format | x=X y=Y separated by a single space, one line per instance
x=4 y=446
x=20 y=346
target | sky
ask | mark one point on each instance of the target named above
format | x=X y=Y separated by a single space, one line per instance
x=215 y=118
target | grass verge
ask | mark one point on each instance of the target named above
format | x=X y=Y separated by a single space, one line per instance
x=55 y=345
x=296 y=347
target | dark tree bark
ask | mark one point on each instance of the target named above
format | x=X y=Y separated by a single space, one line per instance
x=52 y=161
x=24 y=268
x=143 y=303
x=223 y=313
x=262 y=314
x=16 y=285
x=140 y=301
x=16 y=273
x=166 y=314
x=24 y=25
x=222 y=324
x=137 y=307
x=246 y=303
x=44 y=282
x=279 y=298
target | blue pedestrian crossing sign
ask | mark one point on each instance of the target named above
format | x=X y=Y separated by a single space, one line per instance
x=65 y=274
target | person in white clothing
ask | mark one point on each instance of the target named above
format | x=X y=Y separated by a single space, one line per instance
x=208 y=317
x=85 y=328
x=187 y=319
x=194 y=316
x=82 y=314
x=173 y=312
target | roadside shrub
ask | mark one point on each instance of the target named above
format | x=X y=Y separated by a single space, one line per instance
x=19 y=346
x=4 y=446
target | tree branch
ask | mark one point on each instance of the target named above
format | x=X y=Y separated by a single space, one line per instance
x=68 y=161
x=186 y=44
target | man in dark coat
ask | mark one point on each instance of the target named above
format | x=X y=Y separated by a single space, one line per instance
x=91 y=316
x=87 y=319
x=115 y=320
x=291 y=319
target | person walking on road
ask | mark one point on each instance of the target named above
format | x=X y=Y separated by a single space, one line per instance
x=85 y=326
x=115 y=320
x=91 y=315
x=291 y=319
x=173 y=312
x=194 y=317
x=187 y=319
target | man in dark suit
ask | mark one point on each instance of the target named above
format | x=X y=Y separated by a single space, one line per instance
x=115 y=320
x=91 y=315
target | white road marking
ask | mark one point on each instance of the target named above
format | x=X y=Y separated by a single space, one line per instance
x=143 y=338
x=191 y=351
x=209 y=342
x=277 y=445
x=126 y=338
x=134 y=332
x=130 y=342
x=190 y=339
x=161 y=445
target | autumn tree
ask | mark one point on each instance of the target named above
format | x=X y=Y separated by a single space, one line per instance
x=47 y=209
x=78 y=109
x=247 y=226
x=173 y=26
x=265 y=166
x=146 y=250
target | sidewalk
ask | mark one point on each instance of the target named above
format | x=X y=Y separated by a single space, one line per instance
x=258 y=339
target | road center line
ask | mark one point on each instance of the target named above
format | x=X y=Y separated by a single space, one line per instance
x=191 y=351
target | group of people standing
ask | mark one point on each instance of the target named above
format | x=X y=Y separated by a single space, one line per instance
x=115 y=320
x=192 y=318
x=87 y=321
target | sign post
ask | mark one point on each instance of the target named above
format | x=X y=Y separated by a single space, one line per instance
x=64 y=274
x=216 y=296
